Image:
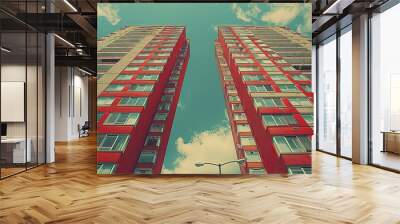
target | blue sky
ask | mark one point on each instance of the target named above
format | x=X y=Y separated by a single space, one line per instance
x=201 y=131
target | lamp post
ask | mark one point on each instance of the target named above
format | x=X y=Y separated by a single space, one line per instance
x=220 y=165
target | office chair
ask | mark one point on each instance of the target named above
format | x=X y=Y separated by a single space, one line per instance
x=84 y=130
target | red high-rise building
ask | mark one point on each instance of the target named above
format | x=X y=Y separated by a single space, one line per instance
x=140 y=76
x=266 y=78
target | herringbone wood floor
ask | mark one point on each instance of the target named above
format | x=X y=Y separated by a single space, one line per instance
x=69 y=191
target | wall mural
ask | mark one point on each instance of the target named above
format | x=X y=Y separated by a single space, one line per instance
x=204 y=88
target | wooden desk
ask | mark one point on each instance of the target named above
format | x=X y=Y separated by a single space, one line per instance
x=391 y=141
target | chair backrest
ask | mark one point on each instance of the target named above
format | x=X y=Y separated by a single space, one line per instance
x=86 y=124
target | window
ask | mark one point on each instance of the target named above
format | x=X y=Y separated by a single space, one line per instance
x=326 y=107
x=111 y=142
x=278 y=77
x=143 y=171
x=142 y=87
x=124 y=77
x=147 y=49
x=270 y=68
x=309 y=118
x=152 y=68
x=268 y=102
x=99 y=115
x=230 y=87
x=306 y=87
x=257 y=171
x=288 y=68
x=153 y=141
x=162 y=54
x=247 y=140
x=115 y=88
x=227 y=77
x=252 y=156
x=132 y=68
x=234 y=98
x=172 y=84
x=138 y=61
x=122 y=119
x=281 y=61
x=147 y=77
x=299 y=170
x=174 y=77
x=253 y=77
x=236 y=106
x=105 y=100
x=345 y=92
x=165 y=49
x=147 y=157
x=248 y=68
x=265 y=62
x=167 y=98
x=106 y=168
x=292 y=144
x=243 y=128
x=157 y=61
x=164 y=106
x=133 y=101
x=239 y=116
x=169 y=90
x=244 y=60
x=288 y=88
x=259 y=88
x=260 y=56
x=160 y=116
x=278 y=119
x=300 y=102
x=300 y=77
x=157 y=127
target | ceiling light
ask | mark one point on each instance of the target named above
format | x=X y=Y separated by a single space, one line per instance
x=5 y=50
x=70 y=5
x=64 y=40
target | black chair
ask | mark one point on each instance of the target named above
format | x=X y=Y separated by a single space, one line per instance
x=84 y=130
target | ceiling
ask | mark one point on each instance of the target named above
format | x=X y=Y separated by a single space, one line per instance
x=75 y=21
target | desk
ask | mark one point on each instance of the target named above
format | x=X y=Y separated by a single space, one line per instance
x=13 y=150
x=391 y=141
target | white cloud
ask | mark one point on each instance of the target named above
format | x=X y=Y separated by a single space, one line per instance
x=109 y=12
x=306 y=25
x=282 y=15
x=214 y=146
x=246 y=15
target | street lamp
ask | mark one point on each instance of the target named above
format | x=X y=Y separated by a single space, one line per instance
x=220 y=165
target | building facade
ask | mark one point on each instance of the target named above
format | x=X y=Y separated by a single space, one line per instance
x=266 y=77
x=140 y=75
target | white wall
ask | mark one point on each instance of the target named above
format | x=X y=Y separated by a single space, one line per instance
x=71 y=102
x=33 y=126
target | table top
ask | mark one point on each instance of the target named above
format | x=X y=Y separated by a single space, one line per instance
x=13 y=140
x=391 y=132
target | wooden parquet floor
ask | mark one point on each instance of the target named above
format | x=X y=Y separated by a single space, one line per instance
x=69 y=191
